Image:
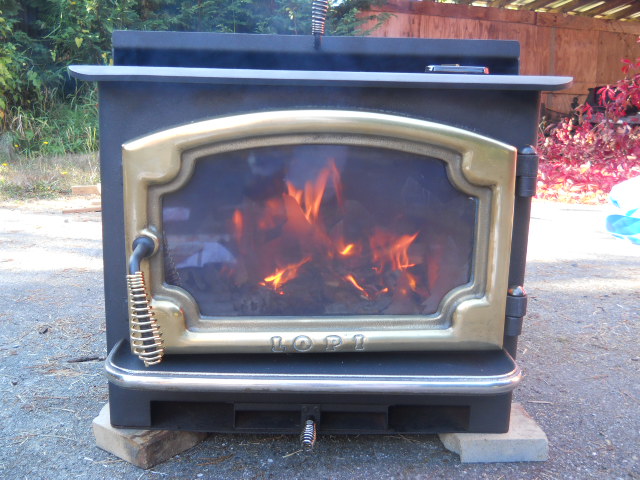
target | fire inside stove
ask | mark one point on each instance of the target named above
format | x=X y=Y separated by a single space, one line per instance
x=318 y=230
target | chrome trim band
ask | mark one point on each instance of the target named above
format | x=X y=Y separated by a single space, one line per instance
x=296 y=383
x=241 y=76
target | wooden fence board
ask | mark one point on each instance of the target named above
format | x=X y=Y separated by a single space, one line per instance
x=456 y=11
x=579 y=22
x=612 y=48
x=463 y=28
x=576 y=62
x=588 y=49
x=535 y=45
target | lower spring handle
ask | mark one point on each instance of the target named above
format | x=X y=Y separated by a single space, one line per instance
x=308 y=435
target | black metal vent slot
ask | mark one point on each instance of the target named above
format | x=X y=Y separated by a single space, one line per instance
x=430 y=418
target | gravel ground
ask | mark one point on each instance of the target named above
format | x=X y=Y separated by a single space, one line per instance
x=579 y=352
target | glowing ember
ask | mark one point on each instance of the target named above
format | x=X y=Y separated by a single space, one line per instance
x=412 y=281
x=347 y=250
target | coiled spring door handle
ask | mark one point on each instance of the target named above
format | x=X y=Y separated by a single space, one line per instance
x=144 y=333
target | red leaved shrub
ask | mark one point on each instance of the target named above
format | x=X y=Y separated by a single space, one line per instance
x=582 y=158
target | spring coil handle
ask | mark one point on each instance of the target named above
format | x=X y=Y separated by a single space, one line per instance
x=308 y=435
x=144 y=332
x=319 y=9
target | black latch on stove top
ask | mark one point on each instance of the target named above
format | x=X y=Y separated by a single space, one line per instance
x=457 y=68
x=527 y=172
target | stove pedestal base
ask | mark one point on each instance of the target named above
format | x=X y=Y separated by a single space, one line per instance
x=367 y=393
x=524 y=442
x=142 y=448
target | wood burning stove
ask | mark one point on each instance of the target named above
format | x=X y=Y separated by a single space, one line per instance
x=331 y=231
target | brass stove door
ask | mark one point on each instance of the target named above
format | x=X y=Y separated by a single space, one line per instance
x=323 y=231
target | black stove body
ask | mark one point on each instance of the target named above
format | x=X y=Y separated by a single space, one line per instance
x=163 y=80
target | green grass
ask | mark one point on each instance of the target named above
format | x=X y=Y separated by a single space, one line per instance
x=47 y=177
x=55 y=126
x=50 y=147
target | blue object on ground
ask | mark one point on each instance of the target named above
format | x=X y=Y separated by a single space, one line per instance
x=625 y=197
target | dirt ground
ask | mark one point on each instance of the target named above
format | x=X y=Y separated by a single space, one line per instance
x=579 y=352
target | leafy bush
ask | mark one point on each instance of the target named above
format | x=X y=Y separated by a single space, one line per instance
x=9 y=70
x=585 y=156
x=40 y=38
x=41 y=106
x=55 y=126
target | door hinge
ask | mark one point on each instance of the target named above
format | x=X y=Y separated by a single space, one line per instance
x=527 y=172
x=515 y=311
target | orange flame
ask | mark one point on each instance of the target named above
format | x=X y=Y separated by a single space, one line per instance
x=238 y=223
x=334 y=173
x=282 y=276
x=353 y=281
x=313 y=194
x=295 y=193
x=310 y=198
x=400 y=252
x=386 y=248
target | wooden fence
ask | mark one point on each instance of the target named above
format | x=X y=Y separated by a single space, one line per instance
x=590 y=50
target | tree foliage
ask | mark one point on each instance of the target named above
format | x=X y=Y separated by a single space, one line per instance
x=583 y=157
x=40 y=38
